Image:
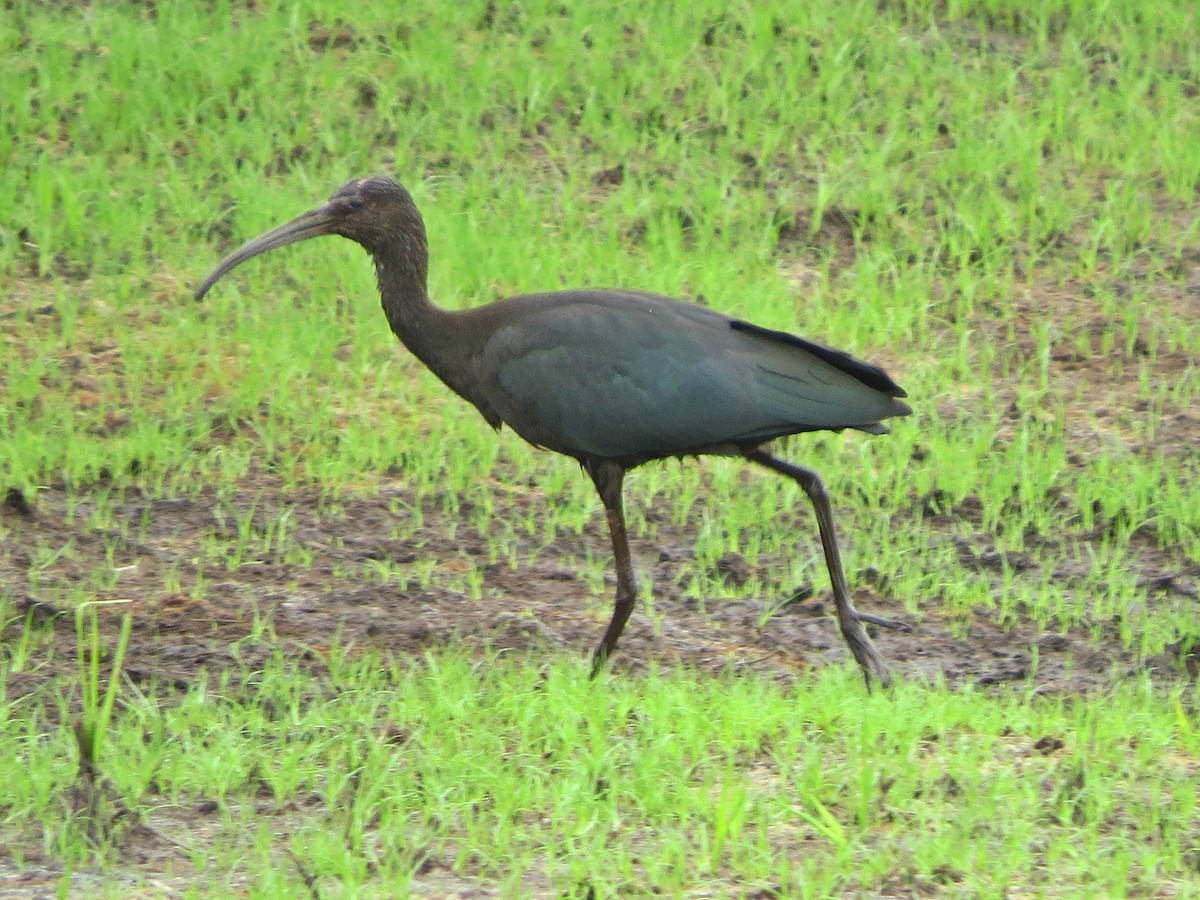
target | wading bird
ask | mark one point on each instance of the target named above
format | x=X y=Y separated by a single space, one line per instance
x=613 y=378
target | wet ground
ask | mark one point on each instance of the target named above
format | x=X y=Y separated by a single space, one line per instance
x=539 y=608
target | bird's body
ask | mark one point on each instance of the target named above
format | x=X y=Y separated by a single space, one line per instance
x=612 y=378
x=633 y=381
x=640 y=376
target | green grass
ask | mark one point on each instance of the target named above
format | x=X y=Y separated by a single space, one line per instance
x=537 y=780
x=996 y=199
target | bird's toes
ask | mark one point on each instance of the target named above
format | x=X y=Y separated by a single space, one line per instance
x=882 y=622
x=873 y=666
x=864 y=651
x=868 y=657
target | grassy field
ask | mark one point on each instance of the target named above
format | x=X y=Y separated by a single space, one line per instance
x=355 y=658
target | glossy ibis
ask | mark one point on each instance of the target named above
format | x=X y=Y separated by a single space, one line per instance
x=613 y=378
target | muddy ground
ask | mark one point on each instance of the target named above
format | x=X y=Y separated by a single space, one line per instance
x=539 y=609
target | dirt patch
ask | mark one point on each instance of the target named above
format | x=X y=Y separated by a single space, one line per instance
x=150 y=549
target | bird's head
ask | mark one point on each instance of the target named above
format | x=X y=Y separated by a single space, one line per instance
x=375 y=211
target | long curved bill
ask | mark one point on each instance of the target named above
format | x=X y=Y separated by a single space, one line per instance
x=312 y=224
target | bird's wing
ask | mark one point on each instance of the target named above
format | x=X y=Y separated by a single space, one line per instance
x=636 y=376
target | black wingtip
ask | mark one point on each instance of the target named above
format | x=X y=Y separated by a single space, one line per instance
x=870 y=375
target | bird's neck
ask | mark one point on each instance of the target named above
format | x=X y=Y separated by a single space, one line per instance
x=426 y=329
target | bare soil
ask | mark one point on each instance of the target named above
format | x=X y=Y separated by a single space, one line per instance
x=538 y=609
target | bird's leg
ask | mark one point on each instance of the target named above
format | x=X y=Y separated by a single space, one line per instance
x=849 y=619
x=608 y=477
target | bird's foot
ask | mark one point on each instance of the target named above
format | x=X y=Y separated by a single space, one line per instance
x=599 y=660
x=881 y=622
x=869 y=659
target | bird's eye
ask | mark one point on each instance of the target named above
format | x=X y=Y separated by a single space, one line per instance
x=355 y=203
